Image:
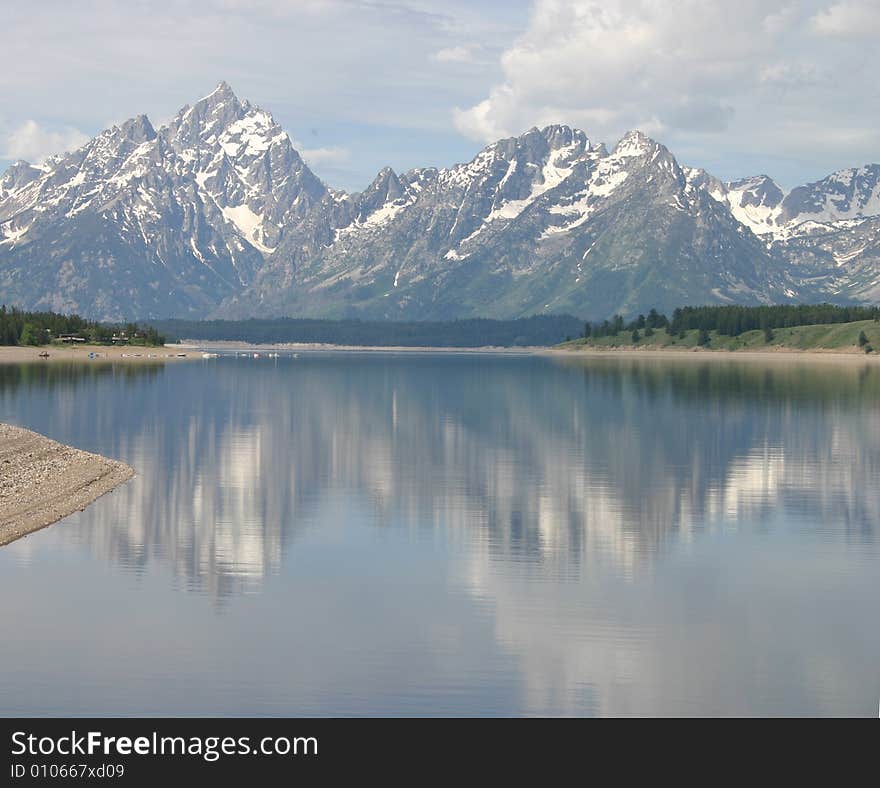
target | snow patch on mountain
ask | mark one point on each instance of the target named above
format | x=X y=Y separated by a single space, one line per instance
x=558 y=167
x=603 y=182
x=384 y=214
x=12 y=235
x=761 y=205
x=249 y=224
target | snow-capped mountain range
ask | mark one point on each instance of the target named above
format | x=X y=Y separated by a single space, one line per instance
x=216 y=214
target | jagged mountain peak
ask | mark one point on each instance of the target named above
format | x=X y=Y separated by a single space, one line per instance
x=222 y=92
x=753 y=181
x=698 y=178
x=541 y=142
x=755 y=202
x=204 y=121
x=758 y=191
x=517 y=167
x=845 y=194
x=560 y=135
x=138 y=129
x=636 y=151
x=222 y=96
x=380 y=197
x=198 y=203
x=239 y=154
x=636 y=143
x=644 y=160
x=386 y=183
x=384 y=175
x=18 y=175
x=760 y=204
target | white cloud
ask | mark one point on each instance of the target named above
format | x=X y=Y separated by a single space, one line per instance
x=779 y=21
x=482 y=122
x=33 y=143
x=855 y=18
x=331 y=155
x=628 y=63
x=706 y=76
x=457 y=54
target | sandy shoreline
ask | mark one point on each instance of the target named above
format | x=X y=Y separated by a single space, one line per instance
x=230 y=346
x=192 y=349
x=43 y=481
x=701 y=354
x=704 y=354
x=17 y=355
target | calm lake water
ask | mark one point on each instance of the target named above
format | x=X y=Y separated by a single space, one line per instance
x=453 y=534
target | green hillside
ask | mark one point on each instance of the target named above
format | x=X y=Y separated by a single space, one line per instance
x=841 y=337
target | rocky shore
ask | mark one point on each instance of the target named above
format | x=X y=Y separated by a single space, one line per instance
x=42 y=481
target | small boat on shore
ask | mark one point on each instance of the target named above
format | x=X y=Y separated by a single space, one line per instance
x=44 y=354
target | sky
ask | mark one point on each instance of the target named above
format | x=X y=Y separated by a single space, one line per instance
x=788 y=89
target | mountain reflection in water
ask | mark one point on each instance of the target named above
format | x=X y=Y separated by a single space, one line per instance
x=534 y=473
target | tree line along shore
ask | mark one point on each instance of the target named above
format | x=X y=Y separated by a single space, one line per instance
x=535 y=331
x=36 y=329
x=820 y=327
x=729 y=327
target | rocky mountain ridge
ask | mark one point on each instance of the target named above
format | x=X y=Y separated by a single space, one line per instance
x=216 y=214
